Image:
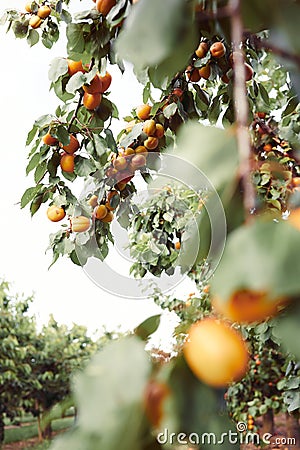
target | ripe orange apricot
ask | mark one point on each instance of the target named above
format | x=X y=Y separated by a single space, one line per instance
x=74 y=67
x=267 y=147
x=178 y=92
x=80 y=224
x=129 y=151
x=154 y=397
x=120 y=163
x=294 y=218
x=121 y=186
x=108 y=218
x=49 y=140
x=141 y=149
x=44 y=11
x=93 y=201
x=248 y=306
x=204 y=72
x=215 y=352
x=138 y=161
x=249 y=72
x=73 y=145
x=159 y=131
x=67 y=163
x=106 y=81
x=100 y=212
x=217 y=50
x=92 y=101
x=35 y=21
x=296 y=182
x=94 y=87
x=177 y=245
x=143 y=112
x=104 y=6
x=149 y=127
x=55 y=213
x=28 y=6
x=202 y=50
x=193 y=74
x=151 y=143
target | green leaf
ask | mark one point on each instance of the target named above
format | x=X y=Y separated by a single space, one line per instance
x=110 y=140
x=20 y=29
x=291 y=106
x=63 y=135
x=129 y=138
x=170 y=110
x=264 y=94
x=58 y=67
x=165 y=28
x=287 y=330
x=295 y=403
x=115 y=382
x=75 y=82
x=29 y=194
x=40 y=171
x=66 y=16
x=31 y=134
x=148 y=327
x=36 y=203
x=211 y=149
x=75 y=37
x=33 y=163
x=84 y=166
x=33 y=37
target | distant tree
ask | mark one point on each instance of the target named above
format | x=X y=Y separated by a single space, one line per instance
x=55 y=355
x=17 y=332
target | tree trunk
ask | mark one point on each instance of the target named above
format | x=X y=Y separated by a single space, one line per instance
x=40 y=434
x=268 y=422
x=47 y=431
x=1 y=430
x=293 y=428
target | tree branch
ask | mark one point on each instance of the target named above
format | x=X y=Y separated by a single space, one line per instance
x=241 y=108
x=267 y=45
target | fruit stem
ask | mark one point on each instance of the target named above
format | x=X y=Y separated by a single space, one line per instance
x=76 y=111
x=241 y=108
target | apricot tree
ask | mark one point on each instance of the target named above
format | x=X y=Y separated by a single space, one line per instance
x=228 y=73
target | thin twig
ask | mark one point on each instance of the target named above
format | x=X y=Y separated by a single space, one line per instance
x=241 y=108
x=76 y=111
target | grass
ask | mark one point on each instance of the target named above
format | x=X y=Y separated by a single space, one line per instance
x=42 y=446
x=26 y=432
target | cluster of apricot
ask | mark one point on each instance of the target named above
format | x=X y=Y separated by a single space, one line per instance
x=217 y=54
x=38 y=13
x=92 y=92
x=134 y=157
x=104 y=210
x=250 y=422
x=67 y=157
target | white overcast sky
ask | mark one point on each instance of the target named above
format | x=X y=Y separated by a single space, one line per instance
x=65 y=290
